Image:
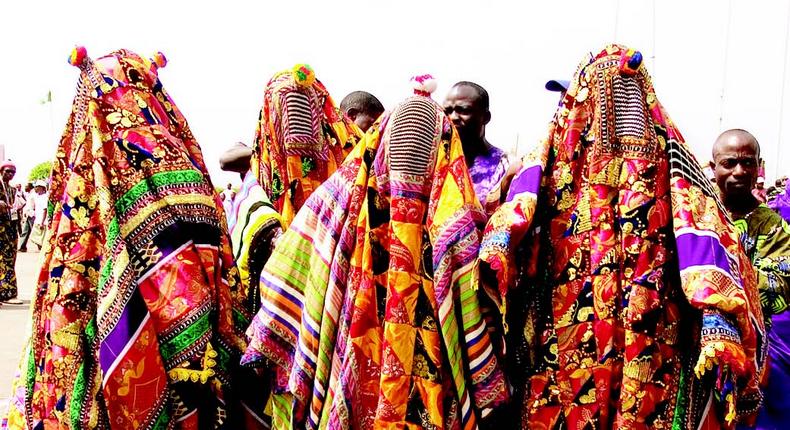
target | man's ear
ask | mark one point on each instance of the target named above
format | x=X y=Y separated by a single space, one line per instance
x=352 y=113
x=712 y=164
x=487 y=117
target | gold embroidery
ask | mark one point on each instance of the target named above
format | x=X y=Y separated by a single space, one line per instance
x=68 y=337
x=208 y=362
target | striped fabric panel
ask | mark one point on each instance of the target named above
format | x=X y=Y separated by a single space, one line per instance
x=683 y=164
x=299 y=117
x=281 y=411
x=411 y=143
x=302 y=297
x=282 y=289
x=157 y=180
x=460 y=239
x=325 y=291
x=630 y=111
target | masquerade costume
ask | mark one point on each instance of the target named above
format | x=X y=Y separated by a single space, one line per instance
x=301 y=139
x=133 y=315
x=628 y=302
x=369 y=311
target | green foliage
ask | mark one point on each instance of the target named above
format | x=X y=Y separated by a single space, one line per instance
x=40 y=171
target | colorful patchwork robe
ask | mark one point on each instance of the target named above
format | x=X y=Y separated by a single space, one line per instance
x=132 y=323
x=628 y=301
x=370 y=314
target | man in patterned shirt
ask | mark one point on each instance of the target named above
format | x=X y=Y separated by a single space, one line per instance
x=467 y=107
x=766 y=239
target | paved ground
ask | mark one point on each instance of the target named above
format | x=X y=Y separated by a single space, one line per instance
x=14 y=318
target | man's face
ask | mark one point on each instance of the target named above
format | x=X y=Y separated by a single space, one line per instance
x=8 y=173
x=462 y=106
x=40 y=189
x=735 y=165
x=361 y=119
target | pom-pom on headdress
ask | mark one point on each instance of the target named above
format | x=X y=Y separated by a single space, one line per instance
x=630 y=60
x=424 y=85
x=78 y=56
x=159 y=60
x=303 y=75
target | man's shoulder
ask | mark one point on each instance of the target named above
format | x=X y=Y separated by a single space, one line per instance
x=764 y=220
x=498 y=155
x=495 y=151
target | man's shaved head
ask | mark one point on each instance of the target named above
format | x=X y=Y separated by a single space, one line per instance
x=236 y=159
x=735 y=134
x=362 y=107
x=482 y=94
x=466 y=105
x=736 y=159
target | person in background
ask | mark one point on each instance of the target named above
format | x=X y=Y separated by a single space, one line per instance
x=558 y=86
x=40 y=199
x=781 y=200
x=28 y=216
x=253 y=225
x=776 y=189
x=253 y=222
x=361 y=107
x=8 y=235
x=765 y=237
x=467 y=106
x=759 y=192
x=225 y=194
x=227 y=200
x=16 y=208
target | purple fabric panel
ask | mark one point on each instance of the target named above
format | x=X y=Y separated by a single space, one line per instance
x=132 y=316
x=776 y=409
x=694 y=250
x=527 y=180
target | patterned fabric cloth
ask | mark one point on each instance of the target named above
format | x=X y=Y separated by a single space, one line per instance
x=766 y=239
x=253 y=222
x=132 y=318
x=627 y=299
x=369 y=310
x=781 y=203
x=8 y=242
x=487 y=172
x=253 y=227
x=302 y=138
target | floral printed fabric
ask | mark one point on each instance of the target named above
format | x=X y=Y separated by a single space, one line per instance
x=626 y=296
x=133 y=315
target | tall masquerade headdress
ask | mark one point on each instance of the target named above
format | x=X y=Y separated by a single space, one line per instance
x=301 y=139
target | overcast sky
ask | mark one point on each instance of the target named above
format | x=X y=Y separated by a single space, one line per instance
x=222 y=53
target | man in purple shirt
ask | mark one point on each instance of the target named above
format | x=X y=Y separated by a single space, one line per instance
x=467 y=107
